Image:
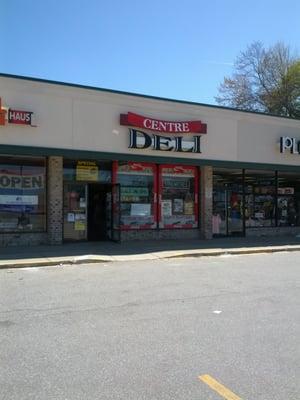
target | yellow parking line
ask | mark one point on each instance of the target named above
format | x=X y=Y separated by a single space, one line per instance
x=219 y=388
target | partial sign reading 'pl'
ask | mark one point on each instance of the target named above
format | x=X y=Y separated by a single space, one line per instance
x=289 y=144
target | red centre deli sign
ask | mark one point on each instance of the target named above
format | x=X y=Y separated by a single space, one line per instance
x=138 y=121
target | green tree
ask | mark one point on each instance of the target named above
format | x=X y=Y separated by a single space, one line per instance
x=266 y=80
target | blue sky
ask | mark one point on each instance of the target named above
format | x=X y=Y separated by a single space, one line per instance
x=168 y=48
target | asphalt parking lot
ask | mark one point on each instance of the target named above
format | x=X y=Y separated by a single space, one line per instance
x=182 y=329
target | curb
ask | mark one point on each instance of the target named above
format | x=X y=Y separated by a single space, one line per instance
x=87 y=259
x=48 y=262
x=260 y=250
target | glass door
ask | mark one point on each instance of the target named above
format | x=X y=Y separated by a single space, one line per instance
x=234 y=210
x=75 y=211
x=228 y=207
x=220 y=209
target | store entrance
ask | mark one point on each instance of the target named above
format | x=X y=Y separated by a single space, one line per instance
x=91 y=212
x=228 y=208
x=97 y=212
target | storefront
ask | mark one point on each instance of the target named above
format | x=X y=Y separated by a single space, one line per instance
x=125 y=198
x=255 y=201
x=87 y=164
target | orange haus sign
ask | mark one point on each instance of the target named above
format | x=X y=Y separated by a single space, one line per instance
x=12 y=116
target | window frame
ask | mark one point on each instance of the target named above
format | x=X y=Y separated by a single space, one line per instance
x=153 y=166
x=196 y=223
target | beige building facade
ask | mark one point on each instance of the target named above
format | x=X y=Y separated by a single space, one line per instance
x=80 y=163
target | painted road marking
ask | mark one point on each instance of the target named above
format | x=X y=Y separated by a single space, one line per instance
x=219 y=388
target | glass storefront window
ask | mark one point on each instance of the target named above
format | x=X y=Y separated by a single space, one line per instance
x=178 y=186
x=138 y=195
x=288 y=199
x=260 y=195
x=265 y=198
x=87 y=171
x=22 y=194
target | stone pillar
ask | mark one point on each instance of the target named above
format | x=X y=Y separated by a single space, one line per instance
x=206 y=201
x=55 y=200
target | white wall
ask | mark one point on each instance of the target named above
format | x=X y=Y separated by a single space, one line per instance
x=85 y=119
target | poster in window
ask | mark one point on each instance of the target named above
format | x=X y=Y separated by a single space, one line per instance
x=71 y=217
x=188 y=207
x=86 y=171
x=80 y=217
x=178 y=206
x=28 y=182
x=166 y=207
x=134 y=191
x=82 y=203
x=286 y=190
x=259 y=214
x=134 y=194
x=142 y=210
x=18 y=200
x=79 y=225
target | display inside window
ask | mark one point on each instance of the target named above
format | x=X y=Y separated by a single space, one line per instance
x=138 y=195
x=288 y=199
x=22 y=194
x=260 y=189
x=178 y=187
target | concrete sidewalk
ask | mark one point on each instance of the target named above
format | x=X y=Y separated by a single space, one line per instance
x=95 y=252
